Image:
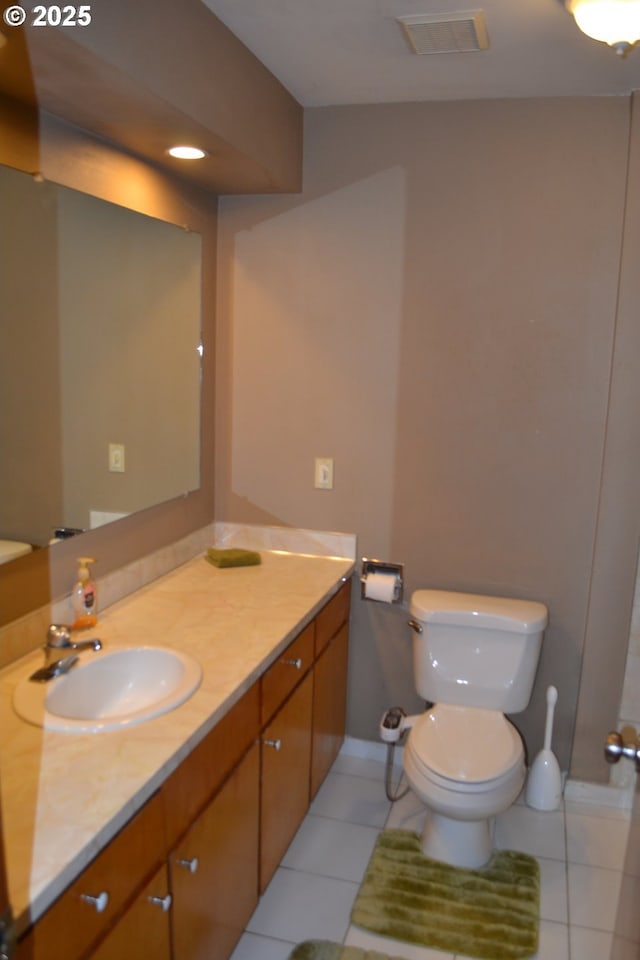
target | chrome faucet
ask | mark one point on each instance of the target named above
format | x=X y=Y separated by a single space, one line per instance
x=59 y=639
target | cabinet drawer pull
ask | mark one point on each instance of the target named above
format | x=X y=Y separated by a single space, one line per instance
x=164 y=902
x=191 y=865
x=100 y=902
x=276 y=744
x=297 y=663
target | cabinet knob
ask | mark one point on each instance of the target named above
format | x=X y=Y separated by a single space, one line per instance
x=163 y=902
x=297 y=663
x=100 y=902
x=276 y=744
x=191 y=865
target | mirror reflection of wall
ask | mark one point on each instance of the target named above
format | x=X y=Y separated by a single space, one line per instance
x=99 y=346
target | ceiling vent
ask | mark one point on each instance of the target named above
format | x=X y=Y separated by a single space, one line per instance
x=446 y=32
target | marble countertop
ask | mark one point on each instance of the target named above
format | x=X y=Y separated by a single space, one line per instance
x=64 y=796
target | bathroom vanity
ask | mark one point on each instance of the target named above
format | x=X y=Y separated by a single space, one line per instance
x=157 y=840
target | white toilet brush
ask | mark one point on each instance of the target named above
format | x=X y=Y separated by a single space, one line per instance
x=544 y=783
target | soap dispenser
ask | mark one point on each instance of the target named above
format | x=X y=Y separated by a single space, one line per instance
x=84 y=597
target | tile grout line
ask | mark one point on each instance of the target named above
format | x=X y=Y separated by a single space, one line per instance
x=566 y=875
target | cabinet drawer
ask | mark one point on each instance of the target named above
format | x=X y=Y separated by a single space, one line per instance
x=200 y=774
x=285 y=674
x=332 y=616
x=73 y=923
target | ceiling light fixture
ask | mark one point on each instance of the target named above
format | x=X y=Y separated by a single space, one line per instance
x=184 y=152
x=615 y=22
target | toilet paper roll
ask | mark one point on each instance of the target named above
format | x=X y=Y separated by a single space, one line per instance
x=380 y=586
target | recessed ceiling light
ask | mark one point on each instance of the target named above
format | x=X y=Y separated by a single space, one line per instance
x=184 y=152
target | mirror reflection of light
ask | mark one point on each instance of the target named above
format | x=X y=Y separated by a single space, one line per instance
x=200 y=348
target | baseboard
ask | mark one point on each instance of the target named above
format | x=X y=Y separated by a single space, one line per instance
x=602 y=794
x=368 y=750
x=575 y=791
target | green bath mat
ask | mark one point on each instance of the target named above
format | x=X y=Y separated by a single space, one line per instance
x=324 y=950
x=491 y=913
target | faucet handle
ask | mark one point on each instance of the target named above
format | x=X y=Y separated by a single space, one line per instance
x=52 y=670
x=58 y=635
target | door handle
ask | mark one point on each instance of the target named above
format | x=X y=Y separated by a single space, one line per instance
x=615 y=747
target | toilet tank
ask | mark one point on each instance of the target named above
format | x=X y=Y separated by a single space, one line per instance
x=476 y=651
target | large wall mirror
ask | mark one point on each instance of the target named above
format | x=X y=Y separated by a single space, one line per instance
x=100 y=360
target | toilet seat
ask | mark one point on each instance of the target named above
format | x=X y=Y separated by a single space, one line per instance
x=465 y=747
x=466 y=764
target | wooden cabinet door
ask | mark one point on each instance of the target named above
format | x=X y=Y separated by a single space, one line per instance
x=91 y=905
x=286 y=761
x=329 y=706
x=188 y=790
x=144 y=930
x=214 y=869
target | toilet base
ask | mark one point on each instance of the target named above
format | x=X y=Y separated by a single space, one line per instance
x=462 y=843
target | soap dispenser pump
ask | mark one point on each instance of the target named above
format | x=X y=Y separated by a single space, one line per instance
x=84 y=597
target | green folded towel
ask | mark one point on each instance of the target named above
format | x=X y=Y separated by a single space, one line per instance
x=233 y=557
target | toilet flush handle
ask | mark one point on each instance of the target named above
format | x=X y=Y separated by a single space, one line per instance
x=415 y=625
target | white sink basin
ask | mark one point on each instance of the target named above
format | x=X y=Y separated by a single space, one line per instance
x=110 y=689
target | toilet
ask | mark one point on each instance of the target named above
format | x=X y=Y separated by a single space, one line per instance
x=475 y=659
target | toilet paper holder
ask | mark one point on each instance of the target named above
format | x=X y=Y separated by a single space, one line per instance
x=382 y=566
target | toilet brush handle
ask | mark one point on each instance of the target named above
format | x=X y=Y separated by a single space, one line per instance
x=552 y=697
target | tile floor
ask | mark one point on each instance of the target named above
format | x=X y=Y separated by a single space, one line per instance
x=580 y=849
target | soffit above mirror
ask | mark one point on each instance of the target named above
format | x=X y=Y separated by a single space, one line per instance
x=171 y=73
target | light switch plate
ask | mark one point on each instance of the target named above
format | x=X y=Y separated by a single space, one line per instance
x=116 y=457
x=323 y=477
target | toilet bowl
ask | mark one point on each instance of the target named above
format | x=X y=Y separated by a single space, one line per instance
x=466 y=765
x=475 y=659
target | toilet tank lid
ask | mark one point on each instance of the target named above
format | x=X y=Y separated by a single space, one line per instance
x=471 y=609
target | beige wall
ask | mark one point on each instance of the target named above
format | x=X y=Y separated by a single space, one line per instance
x=437 y=312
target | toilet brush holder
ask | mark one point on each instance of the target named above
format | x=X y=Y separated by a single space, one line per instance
x=544 y=782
